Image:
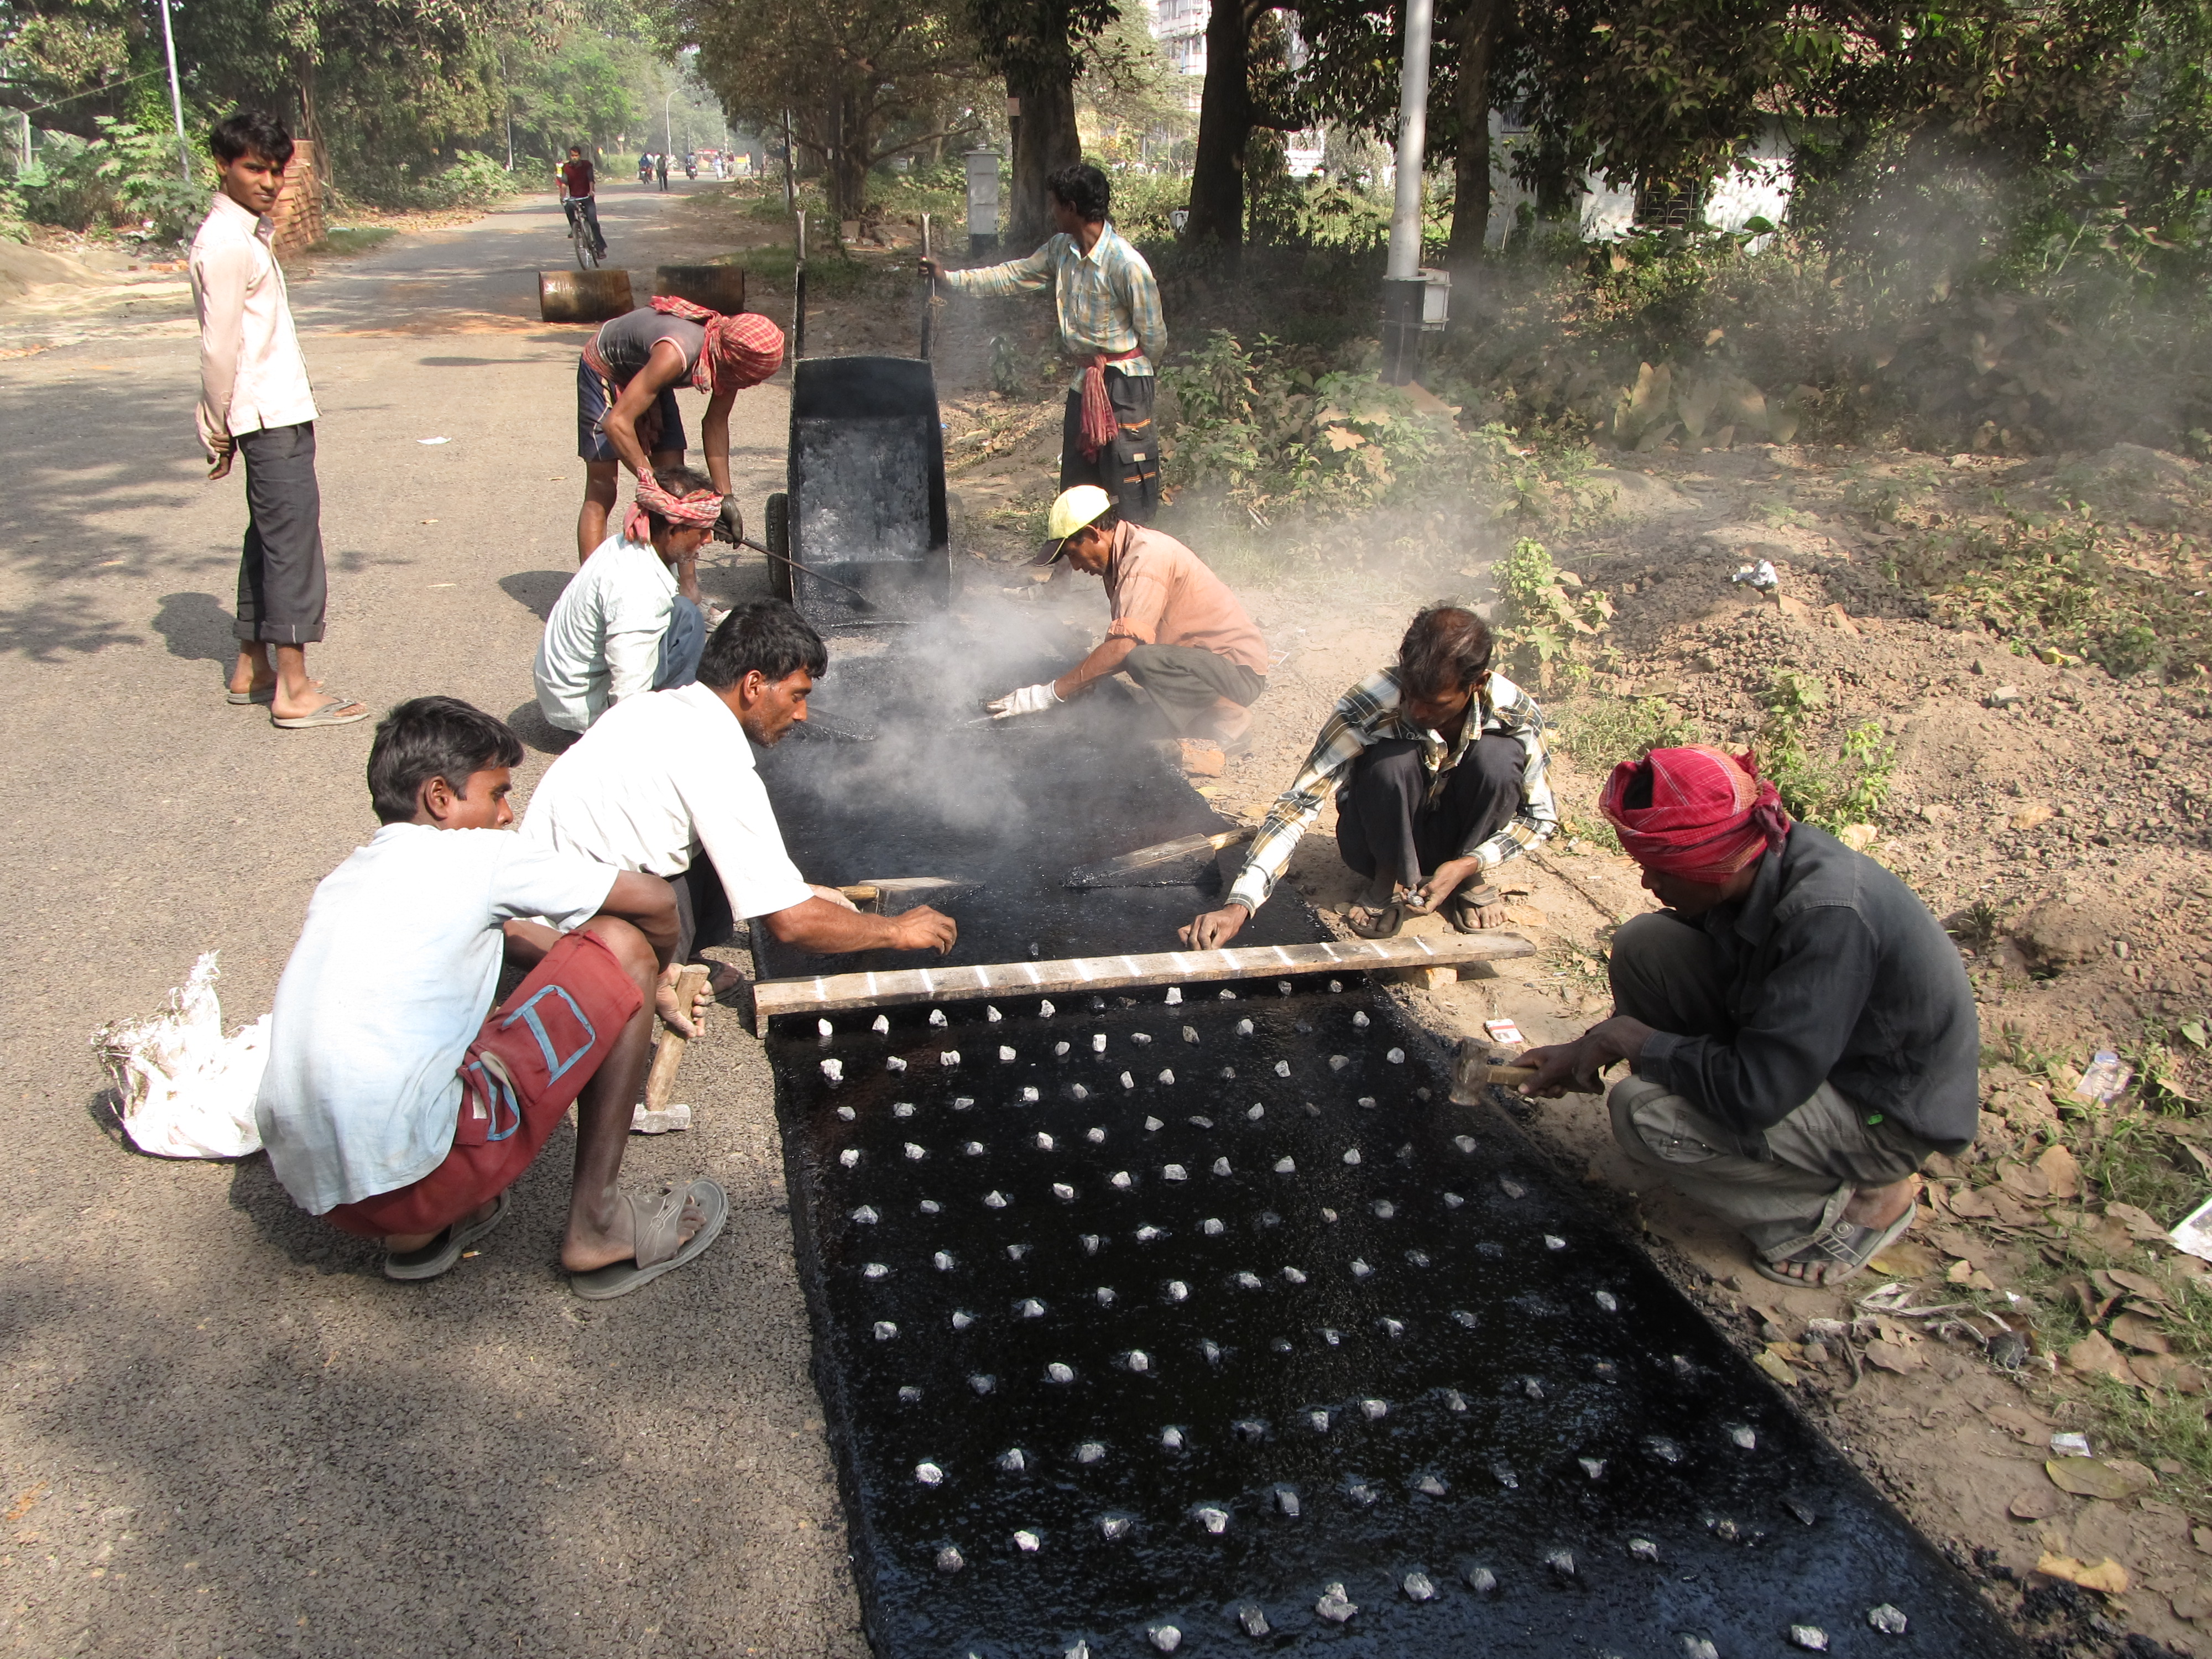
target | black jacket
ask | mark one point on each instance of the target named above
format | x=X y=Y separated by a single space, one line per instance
x=1834 y=971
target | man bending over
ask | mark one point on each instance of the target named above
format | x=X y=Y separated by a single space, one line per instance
x=626 y=383
x=397 y=1103
x=1800 y=1032
x=1438 y=767
x=631 y=620
x=1177 y=630
x=664 y=783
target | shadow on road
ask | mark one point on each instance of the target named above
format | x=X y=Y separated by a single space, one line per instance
x=529 y=724
x=46 y=629
x=536 y=590
x=196 y=627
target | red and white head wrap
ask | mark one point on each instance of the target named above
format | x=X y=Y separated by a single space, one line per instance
x=745 y=349
x=698 y=510
x=1708 y=815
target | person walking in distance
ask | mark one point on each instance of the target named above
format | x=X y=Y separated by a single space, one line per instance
x=1109 y=309
x=256 y=404
x=661 y=168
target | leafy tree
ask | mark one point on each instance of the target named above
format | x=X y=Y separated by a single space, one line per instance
x=1249 y=87
x=864 y=80
x=1039 y=46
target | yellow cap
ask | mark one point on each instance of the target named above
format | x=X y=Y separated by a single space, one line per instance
x=1071 y=511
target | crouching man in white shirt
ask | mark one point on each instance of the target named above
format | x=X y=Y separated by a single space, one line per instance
x=631 y=619
x=664 y=783
x=399 y=1104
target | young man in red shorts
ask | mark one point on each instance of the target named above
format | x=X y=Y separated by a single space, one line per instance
x=397 y=1103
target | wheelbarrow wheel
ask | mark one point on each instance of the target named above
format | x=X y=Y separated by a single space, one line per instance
x=777 y=538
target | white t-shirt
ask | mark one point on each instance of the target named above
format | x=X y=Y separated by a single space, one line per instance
x=602 y=642
x=657 y=776
x=392 y=977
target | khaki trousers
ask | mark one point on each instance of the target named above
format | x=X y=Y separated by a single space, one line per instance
x=1785 y=1188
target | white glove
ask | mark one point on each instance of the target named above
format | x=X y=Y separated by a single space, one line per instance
x=1030 y=699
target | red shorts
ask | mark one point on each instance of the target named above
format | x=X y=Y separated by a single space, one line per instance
x=527 y=1065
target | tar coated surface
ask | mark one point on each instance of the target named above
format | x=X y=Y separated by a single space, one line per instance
x=1137 y=1316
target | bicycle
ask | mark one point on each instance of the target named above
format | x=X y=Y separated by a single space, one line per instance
x=580 y=232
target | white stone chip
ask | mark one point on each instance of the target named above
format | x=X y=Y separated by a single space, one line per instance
x=943 y=1262
x=936 y=1016
x=1336 y=1606
x=1128 y=1082
x=1337 y=1062
x=825 y=1027
x=894 y=1064
x=866 y=1215
x=1046 y=1008
x=1175 y=994
x=882 y=1025
x=915 y=1153
x=849 y=1156
x=992 y=1014
x=833 y=1070
x=1282 y=1068
x=1043 y=1141
x=1005 y=1055
x=1174 y=1172
x=929 y=1474
x=1395 y=1056
x=1167 y=1077
x=1214 y=1520
x=1028 y=1542
x=1056 y=1372
x=1028 y=1096
x=1286 y=1166
x=1153 y=1125
x=1120 y=1179
x=886 y=1331
x=949 y=1058
x=1063 y=1192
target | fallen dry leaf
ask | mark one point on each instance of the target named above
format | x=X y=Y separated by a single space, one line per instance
x=1963 y=1271
x=2114 y=1479
x=2029 y=1426
x=1906 y=1259
x=2137 y=1222
x=1892 y=1356
x=2162 y=1371
x=2092 y=1355
x=1775 y=1367
x=1971 y=1202
x=2140 y=1335
x=2107 y=1578
x=2026 y=1180
x=1954 y=1243
x=2039 y=1505
x=2034 y=812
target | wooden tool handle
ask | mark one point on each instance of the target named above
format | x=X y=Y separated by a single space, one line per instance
x=669 y=1054
x=1512 y=1077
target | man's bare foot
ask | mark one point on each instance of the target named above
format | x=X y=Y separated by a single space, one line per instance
x=587 y=1248
x=402 y=1243
x=1867 y=1218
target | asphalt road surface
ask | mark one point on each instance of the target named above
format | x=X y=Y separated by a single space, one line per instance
x=224 y=1433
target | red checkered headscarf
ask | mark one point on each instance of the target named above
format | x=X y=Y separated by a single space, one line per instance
x=1708 y=814
x=746 y=347
x=697 y=510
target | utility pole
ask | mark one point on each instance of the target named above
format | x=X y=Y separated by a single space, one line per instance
x=1403 y=289
x=790 y=188
x=668 y=123
x=176 y=95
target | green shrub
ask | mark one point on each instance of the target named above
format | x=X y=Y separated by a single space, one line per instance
x=126 y=179
x=1835 y=793
x=1546 y=613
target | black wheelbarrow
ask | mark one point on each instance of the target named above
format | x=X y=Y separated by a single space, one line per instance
x=861 y=532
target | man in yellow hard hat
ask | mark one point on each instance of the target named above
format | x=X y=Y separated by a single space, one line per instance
x=1177 y=630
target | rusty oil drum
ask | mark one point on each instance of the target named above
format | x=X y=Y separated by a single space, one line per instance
x=718 y=287
x=583 y=296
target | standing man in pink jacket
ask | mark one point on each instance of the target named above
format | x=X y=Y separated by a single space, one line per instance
x=256 y=404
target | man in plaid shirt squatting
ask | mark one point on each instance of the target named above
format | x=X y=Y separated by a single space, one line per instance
x=1437 y=766
x=1109 y=322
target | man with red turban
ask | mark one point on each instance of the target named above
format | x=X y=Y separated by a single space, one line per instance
x=626 y=413
x=1800 y=1032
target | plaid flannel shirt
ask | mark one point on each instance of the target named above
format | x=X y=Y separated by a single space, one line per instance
x=1369 y=714
x=1107 y=299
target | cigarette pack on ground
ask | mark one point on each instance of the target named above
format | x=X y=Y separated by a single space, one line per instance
x=1503 y=1031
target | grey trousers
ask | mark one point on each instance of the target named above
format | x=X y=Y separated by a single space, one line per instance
x=1186 y=682
x=281 y=585
x=1784 y=1190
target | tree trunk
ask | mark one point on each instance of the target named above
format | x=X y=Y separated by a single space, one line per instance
x=1224 y=122
x=1045 y=139
x=1478 y=33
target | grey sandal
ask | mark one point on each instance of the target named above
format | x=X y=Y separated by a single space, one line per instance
x=1847 y=1247
x=656 y=1224
x=442 y=1252
x=1384 y=921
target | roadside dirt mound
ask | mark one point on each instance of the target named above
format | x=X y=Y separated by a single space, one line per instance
x=24 y=268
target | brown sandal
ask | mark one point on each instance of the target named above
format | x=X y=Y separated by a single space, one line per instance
x=1382 y=921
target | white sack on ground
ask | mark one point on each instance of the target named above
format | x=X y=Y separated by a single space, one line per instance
x=188 y=1089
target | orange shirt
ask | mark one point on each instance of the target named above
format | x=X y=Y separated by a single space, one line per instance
x=1163 y=594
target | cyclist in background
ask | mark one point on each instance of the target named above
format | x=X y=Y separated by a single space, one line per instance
x=576 y=187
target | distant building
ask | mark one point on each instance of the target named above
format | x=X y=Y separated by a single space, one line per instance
x=1180 y=27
